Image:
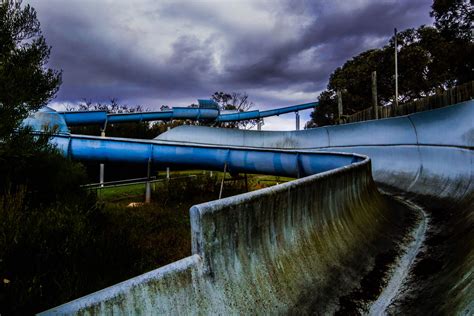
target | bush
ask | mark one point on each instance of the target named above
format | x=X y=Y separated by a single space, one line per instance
x=47 y=224
x=41 y=249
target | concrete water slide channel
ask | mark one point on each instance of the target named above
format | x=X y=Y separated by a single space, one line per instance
x=306 y=245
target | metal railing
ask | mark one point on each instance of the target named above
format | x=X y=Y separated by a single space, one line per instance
x=121 y=183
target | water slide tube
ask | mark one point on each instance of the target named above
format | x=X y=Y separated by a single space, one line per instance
x=424 y=153
x=175 y=113
x=425 y=157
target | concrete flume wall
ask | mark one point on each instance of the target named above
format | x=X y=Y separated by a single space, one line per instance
x=271 y=249
x=263 y=251
x=427 y=156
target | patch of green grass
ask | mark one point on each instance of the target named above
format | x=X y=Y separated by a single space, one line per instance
x=136 y=192
x=120 y=192
x=267 y=180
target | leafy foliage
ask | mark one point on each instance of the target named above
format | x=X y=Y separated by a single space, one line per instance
x=235 y=101
x=26 y=83
x=26 y=162
x=454 y=18
x=44 y=216
x=139 y=130
x=430 y=59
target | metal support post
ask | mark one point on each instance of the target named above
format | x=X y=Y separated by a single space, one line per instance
x=259 y=124
x=396 y=68
x=222 y=182
x=297 y=121
x=148 y=183
x=168 y=168
x=102 y=166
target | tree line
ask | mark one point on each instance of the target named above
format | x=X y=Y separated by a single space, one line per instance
x=430 y=59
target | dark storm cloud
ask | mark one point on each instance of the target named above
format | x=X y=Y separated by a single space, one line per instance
x=100 y=65
x=340 y=35
x=177 y=51
x=102 y=71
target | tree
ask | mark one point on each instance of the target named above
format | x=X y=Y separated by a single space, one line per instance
x=44 y=215
x=326 y=111
x=353 y=79
x=26 y=84
x=234 y=101
x=430 y=59
x=454 y=18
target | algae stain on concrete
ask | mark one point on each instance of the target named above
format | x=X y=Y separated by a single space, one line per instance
x=404 y=263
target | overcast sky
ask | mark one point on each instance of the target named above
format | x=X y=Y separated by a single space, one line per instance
x=155 y=52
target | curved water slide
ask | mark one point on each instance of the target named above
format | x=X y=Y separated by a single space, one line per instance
x=77 y=118
x=212 y=157
x=305 y=245
x=425 y=153
x=427 y=158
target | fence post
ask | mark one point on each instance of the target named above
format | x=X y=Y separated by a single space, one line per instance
x=222 y=182
x=374 y=94
x=102 y=166
x=339 y=106
x=168 y=168
x=441 y=99
x=396 y=67
x=148 y=184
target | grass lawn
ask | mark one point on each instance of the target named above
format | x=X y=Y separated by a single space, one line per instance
x=135 y=192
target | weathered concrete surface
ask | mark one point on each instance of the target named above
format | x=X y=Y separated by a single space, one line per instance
x=268 y=250
x=441 y=280
x=428 y=157
x=307 y=242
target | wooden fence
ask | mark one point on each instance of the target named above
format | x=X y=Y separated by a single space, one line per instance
x=455 y=95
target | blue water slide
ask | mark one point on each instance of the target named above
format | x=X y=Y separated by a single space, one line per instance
x=195 y=113
x=101 y=117
x=242 y=116
x=290 y=227
x=139 y=117
x=276 y=162
x=176 y=113
x=85 y=118
x=212 y=157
